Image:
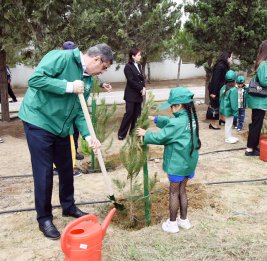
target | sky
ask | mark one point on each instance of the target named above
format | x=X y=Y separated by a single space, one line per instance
x=184 y=18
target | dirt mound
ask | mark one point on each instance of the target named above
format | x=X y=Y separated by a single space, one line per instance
x=198 y=198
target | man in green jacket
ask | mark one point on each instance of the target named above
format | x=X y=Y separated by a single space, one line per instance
x=50 y=108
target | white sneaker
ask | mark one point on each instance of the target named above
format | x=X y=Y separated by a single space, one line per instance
x=184 y=223
x=170 y=226
x=231 y=140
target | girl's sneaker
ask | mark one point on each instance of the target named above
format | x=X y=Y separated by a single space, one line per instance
x=184 y=223
x=170 y=226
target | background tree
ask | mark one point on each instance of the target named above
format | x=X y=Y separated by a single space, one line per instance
x=180 y=47
x=28 y=30
x=145 y=24
x=235 y=25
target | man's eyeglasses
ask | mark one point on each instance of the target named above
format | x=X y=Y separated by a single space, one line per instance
x=104 y=67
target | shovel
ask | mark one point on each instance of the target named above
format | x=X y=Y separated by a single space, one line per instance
x=106 y=177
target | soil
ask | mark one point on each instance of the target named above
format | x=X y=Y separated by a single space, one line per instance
x=229 y=220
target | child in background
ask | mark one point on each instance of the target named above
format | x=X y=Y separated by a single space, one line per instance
x=180 y=137
x=229 y=105
x=241 y=87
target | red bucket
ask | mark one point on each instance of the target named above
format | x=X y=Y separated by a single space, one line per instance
x=263 y=149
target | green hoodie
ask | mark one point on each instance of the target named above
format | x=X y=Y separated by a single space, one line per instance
x=46 y=103
x=175 y=135
x=229 y=102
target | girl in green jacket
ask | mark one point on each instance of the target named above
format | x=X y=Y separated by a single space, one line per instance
x=180 y=137
x=229 y=105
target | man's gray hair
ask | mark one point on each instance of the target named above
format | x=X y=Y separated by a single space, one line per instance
x=102 y=50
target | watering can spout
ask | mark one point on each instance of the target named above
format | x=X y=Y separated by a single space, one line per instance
x=107 y=221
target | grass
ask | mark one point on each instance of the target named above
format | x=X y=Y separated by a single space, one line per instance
x=205 y=242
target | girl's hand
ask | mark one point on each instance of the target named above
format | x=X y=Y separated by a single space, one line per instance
x=151 y=118
x=140 y=132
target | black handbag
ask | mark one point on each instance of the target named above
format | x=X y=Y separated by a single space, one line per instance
x=212 y=113
x=255 y=89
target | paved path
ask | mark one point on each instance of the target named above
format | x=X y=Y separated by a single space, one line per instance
x=117 y=97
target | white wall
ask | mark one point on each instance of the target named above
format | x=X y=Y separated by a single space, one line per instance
x=165 y=70
x=20 y=75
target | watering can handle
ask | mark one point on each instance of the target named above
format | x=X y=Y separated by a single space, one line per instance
x=66 y=230
x=99 y=155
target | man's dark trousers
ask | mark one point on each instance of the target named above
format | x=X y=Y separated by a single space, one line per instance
x=46 y=149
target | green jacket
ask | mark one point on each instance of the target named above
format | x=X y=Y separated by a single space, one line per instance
x=229 y=102
x=46 y=103
x=254 y=102
x=175 y=135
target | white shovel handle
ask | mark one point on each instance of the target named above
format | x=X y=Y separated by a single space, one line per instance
x=99 y=154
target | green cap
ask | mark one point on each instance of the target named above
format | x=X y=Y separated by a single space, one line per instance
x=230 y=76
x=240 y=79
x=178 y=95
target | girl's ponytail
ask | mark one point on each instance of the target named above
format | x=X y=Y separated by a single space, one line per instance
x=190 y=108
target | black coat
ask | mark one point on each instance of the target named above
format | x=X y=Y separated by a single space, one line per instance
x=218 y=78
x=135 y=83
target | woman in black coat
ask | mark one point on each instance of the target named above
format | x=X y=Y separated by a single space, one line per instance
x=217 y=81
x=134 y=92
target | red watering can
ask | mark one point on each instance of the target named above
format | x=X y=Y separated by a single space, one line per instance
x=82 y=239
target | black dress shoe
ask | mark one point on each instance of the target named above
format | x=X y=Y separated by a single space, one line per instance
x=252 y=153
x=221 y=122
x=120 y=138
x=213 y=128
x=79 y=156
x=49 y=230
x=74 y=212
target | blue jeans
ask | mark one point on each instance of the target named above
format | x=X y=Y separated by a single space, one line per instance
x=241 y=118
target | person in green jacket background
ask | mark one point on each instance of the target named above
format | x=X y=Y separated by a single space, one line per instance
x=229 y=105
x=257 y=104
x=242 y=91
x=180 y=137
x=50 y=108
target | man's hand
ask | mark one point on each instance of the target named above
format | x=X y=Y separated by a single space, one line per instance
x=107 y=86
x=140 y=132
x=78 y=86
x=93 y=143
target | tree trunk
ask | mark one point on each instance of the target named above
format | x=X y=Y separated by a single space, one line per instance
x=143 y=63
x=148 y=73
x=4 y=87
x=207 y=80
x=179 y=71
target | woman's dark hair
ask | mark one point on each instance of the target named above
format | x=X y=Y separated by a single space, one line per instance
x=262 y=55
x=133 y=52
x=229 y=85
x=190 y=108
x=224 y=58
